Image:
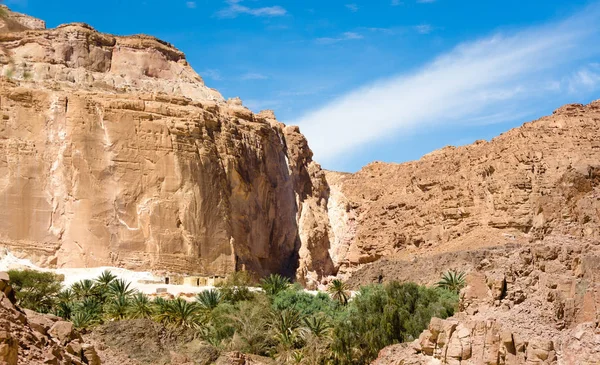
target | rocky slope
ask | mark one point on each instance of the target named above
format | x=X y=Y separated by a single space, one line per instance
x=519 y=214
x=524 y=304
x=31 y=338
x=532 y=181
x=114 y=152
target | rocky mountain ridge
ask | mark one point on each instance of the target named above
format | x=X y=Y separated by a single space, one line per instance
x=533 y=181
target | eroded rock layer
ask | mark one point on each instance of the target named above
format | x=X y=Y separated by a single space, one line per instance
x=534 y=180
x=114 y=152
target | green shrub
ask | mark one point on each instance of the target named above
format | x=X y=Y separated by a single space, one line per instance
x=380 y=316
x=251 y=325
x=35 y=290
x=306 y=303
x=236 y=287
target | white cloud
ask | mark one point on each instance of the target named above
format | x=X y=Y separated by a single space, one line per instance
x=234 y=9
x=396 y=3
x=474 y=80
x=191 y=4
x=253 y=76
x=352 y=7
x=347 y=36
x=587 y=78
x=424 y=28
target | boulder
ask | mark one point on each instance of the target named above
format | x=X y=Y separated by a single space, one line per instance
x=63 y=332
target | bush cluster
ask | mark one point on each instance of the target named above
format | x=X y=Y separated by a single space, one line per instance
x=281 y=321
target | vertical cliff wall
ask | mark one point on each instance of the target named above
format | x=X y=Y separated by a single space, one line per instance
x=114 y=152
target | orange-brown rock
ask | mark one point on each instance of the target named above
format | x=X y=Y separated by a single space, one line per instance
x=32 y=338
x=523 y=304
x=534 y=180
x=114 y=152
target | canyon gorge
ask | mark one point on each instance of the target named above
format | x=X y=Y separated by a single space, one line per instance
x=113 y=152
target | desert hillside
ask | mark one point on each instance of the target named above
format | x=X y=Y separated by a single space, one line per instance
x=114 y=152
x=524 y=185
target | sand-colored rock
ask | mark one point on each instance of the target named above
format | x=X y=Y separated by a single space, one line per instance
x=539 y=179
x=546 y=312
x=27 y=337
x=114 y=152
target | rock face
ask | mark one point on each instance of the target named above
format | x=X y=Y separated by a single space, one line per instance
x=519 y=214
x=114 y=152
x=32 y=338
x=528 y=304
x=532 y=181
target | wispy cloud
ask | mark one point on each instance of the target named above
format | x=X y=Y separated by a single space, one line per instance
x=212 y=74
x=234 y=9
x=347 y=36
x=191 y=4
x=481 y=78
x=396 y=3
x=258 y=105
x=253 y=76
x=426 y=1
x=424 y=28
x=587 y=77
x=352 y=7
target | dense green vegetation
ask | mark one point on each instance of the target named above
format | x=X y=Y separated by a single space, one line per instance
x=281 y=321
x=35 y=290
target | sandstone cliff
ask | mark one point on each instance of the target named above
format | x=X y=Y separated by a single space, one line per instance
x=114 y=152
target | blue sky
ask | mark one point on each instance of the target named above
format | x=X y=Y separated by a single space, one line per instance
x=386 y=80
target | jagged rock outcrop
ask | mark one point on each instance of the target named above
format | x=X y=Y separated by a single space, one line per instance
x=524 y=304
x=13 y=21
x=532 y=181
x=27 y=337
x=114 y=152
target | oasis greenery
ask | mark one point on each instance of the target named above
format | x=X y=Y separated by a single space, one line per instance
x=282 y=321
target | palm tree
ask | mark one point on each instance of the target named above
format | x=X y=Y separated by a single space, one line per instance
x=287 y=326
x=274 y=284
x=82 y=320
x=140 y=307
x=339 y=291
x=319 y=326
x=208 y=299
x=118 y=307
x=64 y=310
x=105 y=279
x=120 y=287
x=453 y=281
x=180 y=313
x=159 y=305
x=91 y=306
x=66 y=296
x=84 y=289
